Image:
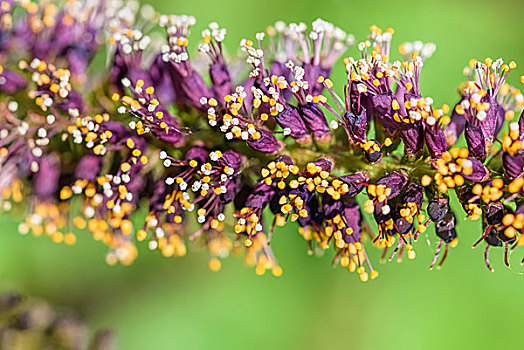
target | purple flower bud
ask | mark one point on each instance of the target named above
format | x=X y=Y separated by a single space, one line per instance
x=436 y=142
x=395 y=180
x=196 y=153
x=331 y=207
x=513 y=165
x=475 y=141
x=381 y=215
x=360 y=101
x=356 y=182
x=45 y=181
x=194 y=88
x=353 y=217
x=316 y=122
x=445 y=228
x=383 y=111
x=501 y=117
x=118 y=131
x=11 y=82
x=267 y=143
x=494 y=213
x=437 y=208
x=220 y=79
x=88 y=168
x=413 y=138
x=279 y=69
x=173 y=136
x=232 y=188
x=311 y=74
x=326 y=164
x=356 y=126
x=290 y=119
x=479 y=172
x=260 y=196
x=315 y=214
x=414 y=194
x=489 y=125
x=158 y=192
x=232 y=159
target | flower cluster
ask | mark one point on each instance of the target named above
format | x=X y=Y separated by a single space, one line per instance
x=222 y=150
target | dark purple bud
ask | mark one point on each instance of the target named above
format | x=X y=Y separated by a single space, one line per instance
x=353 y=218
x=45 y=181
x=445 y=228
x=382 y=212
x=383 y=111
x=501 y=117
x=173 y=135
x=122 y=69
x=243 y=193
x=315 y=214
x=316 y=122
x=196 y=153
x=475 y=141
x=403 y=226
x=274 y=204
x=413 y=138
x=279 y=69
x=356 y=126
x=356 y=182
x=478 y=173
x=513 y=165
x=221 y=81
x=286 y=159
x=88 y=168
x=158 y=195
x=303 y=193
x=118 y=131
x=260 y=196
x=326 y=164
x=194 y=89
x=466 y=197
x=232 y=159
x=360 y=101
x=290 y=119
x=395 y=180
x=437 y=208
x=267 y=143
x=492 y=237
x=436 y=142
x=232 y=188
x=414 y=194
x=489 y=125
x=494 y=213
x=11 y=82
x=331 y=207
x=311 y=74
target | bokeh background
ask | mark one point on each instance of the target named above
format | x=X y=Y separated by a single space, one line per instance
x=160 y=303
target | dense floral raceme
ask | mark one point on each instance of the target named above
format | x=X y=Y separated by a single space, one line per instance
x=176 y=146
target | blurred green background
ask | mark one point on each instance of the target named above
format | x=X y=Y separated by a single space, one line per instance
x=160 y=303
